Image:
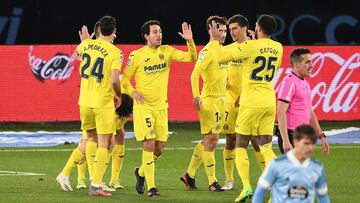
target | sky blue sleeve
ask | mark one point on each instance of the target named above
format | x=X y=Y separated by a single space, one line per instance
x=321 y=186
x=268 y=177
x=259 y=195
x=324 y=199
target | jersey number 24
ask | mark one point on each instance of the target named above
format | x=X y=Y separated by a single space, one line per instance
x=96 y=70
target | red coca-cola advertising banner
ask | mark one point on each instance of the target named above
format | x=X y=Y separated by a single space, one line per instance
x=41 y=83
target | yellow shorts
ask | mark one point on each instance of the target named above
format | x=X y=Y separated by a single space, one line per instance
x=228 y=119
x=84 y=135
x=255 y=121
x=100 y=118
x=120 y=122
x=210 y=114
x=151 y=124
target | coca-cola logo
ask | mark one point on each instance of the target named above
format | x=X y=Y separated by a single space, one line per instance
x=59 y=67
x=341 y=93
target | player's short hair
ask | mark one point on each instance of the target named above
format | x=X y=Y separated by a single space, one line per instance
x=305 y=131
x=96 y=29
x=126 y=107
x=218 y=20
x=145 y=28
x=241 y=20
x=107 y=25
x=267 y=23
x=295 y=55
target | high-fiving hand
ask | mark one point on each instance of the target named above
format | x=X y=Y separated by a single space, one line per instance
x=84 y=33
x=186 y=33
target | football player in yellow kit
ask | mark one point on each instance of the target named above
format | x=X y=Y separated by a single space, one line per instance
x=210 y=106
x=150 y=66
x=100 y=94
x=117 y=147
x=238 y=26
x=262 y=58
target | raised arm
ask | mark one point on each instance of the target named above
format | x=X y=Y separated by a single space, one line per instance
x=191 y=54
x=225 y=55
x=200 y=65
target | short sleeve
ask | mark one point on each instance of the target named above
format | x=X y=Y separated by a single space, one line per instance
x=268 y=177
x=287 y=90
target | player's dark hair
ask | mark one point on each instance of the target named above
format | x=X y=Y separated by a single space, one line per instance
x=218 y=20
x=96 y=29
x=107 y=25
x=267 y=23
x=296 y=54
x=145 y=28
x=241 y=20
x=126 y=107
x=305 y=131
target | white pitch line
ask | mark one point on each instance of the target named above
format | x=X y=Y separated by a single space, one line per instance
x=19 y=173
x=140 y=149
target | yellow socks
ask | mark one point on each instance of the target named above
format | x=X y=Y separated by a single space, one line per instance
x=99 y=165
x=243 y=166
x=90 y=151
x=196 y=160
x=260 y=160
x=156 y=158
x=118 y=155
x=73 y=160
x=82 y=170
x=229 y=163
x=148 y=166
x=267 y=152
x=108 y=160
x=209 y=163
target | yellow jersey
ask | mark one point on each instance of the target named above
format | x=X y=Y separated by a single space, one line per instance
x=150 y=68
x=99 y=57
x=234 y=76
x=261 y=60
x=212 y=72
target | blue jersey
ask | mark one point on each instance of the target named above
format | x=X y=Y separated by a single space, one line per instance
x=291 y=181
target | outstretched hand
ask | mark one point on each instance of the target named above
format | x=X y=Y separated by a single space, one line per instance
x=186 y=33
x=84 y=33
x=214 y=31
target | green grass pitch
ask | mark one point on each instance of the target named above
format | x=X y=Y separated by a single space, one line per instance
x=342 y=170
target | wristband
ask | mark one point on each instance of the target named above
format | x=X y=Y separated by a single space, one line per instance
x=322 y=135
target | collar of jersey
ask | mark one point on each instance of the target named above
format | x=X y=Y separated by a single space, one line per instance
x=102 y=40
x=150 y=49
x=291 y=156
x=297 y=75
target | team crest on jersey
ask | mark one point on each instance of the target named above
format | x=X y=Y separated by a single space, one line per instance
x=161 y=56
x=121 y=58
x=201 y=56
x=298 y=192
x=128 y=62
x=217 y=127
